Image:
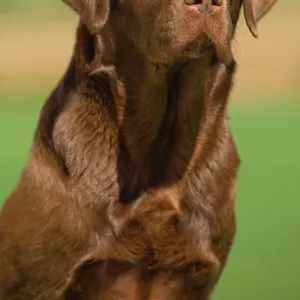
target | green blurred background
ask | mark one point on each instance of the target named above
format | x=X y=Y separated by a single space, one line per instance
x=36 y=40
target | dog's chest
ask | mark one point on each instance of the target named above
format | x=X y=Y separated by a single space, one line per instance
x=154 y=259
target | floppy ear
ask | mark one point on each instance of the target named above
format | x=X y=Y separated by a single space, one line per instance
x=235 y=8
x=94 y=13
x=254 y=10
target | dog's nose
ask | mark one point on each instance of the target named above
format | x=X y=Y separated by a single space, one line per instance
x=205 y=5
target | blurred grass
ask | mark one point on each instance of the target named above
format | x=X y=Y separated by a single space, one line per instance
x=30 y=6
x=264 y=263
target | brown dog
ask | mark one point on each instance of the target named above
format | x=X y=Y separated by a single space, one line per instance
x=129 y=189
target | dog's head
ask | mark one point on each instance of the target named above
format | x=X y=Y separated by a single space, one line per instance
x=166 y=29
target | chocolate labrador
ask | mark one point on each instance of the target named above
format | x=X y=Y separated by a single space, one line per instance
x=129 y=188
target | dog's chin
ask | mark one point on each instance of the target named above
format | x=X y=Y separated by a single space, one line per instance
x=166 y=56
x=200 y=48
x=162 y=55
x=205 y=52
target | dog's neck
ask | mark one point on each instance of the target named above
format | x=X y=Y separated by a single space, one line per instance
x=160 y=104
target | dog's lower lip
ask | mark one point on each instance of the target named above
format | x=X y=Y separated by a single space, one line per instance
x=164 y=39
x=163 y=34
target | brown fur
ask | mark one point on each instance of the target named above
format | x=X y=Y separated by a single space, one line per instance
x=129 y=189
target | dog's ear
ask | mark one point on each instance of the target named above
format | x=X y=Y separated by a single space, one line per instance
x=254 y=10
x=93 y=13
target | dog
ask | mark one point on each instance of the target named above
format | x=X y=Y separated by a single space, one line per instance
x=129 y=188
